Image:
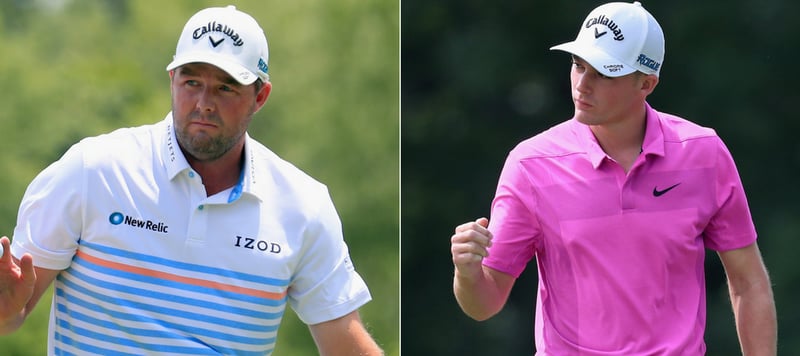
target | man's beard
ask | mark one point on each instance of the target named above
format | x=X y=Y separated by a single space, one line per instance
x=202 y=146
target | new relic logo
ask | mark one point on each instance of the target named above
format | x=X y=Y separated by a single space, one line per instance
x=117 y=218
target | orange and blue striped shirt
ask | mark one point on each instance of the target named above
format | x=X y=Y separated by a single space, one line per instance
x=151 y=265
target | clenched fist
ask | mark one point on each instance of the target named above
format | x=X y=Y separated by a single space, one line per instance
x=469 y=246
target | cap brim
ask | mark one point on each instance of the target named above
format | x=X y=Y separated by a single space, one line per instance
x=599 y=60
x=238 y=72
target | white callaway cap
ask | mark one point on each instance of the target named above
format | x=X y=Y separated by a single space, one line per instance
x=618 y=39
x=226 y=38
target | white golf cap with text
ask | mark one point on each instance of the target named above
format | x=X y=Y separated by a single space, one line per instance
x=619 y=38
x=227 y=38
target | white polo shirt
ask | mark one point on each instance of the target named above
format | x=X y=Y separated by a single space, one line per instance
x=154 y=266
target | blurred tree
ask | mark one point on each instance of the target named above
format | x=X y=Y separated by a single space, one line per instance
x=73 y=69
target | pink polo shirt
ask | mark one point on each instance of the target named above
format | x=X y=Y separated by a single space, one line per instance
x=620 y=256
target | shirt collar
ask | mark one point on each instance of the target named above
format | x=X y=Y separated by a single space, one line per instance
x=653 y=143
x=174 y=160
x=250 y=171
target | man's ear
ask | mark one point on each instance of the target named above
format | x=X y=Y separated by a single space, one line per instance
x=649 y=83
x=171 y=78
x=263 y=94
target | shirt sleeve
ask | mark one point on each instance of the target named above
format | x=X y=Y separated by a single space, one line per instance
x=326 y=285
x=49 y=220
x=513 y=224
x=731 y=227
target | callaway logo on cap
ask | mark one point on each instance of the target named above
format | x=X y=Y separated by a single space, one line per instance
x=226 y=38
x=619 y=38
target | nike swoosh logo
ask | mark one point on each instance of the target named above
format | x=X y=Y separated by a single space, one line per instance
x=658 y=193
x=215 y=44
x=599 y=34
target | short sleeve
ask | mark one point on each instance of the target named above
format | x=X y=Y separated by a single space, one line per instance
x=49 y=220
x=512 y=223
x=731 y=227
x=326 y=285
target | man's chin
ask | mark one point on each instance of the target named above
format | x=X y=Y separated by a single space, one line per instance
x=583 y=118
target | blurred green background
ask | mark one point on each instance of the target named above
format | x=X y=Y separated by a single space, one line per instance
x=478 y=77
x=72 y=69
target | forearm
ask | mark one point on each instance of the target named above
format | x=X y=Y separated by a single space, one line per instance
x=344 y=336
x=756 y=321
x=479 y=295
x=362 y=345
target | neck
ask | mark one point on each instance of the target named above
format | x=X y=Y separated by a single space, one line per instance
x=221 y=173
x=622 y=140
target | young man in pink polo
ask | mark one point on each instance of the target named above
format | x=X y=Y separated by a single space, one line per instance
x=618 y=205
